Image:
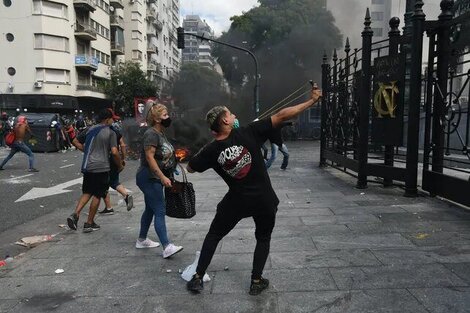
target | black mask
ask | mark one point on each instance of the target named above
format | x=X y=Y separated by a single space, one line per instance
x=166 y=122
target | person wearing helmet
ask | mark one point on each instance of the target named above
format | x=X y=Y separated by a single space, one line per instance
x=21 y=128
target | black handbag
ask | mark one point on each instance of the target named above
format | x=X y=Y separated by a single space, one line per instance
x=180 y=198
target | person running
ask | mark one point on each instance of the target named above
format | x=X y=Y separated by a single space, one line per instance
x=21 y=129
x=114 y=173
x=236 y=156
x=157 y=164
x=97 y=143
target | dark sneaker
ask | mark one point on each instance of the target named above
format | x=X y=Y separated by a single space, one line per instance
x=129 y=199
x=88 y=228
x=195 y=284
x=33 y=170
x=1 y=168
x=107 y=211
x=72 y=221
x=257 y=286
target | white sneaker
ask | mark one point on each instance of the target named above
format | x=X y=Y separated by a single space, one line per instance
x=147 y=243
x=170 y=250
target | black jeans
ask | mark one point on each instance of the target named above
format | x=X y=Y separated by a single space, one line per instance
x=224 y=221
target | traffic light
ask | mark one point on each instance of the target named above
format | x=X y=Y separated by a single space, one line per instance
x=180 y=31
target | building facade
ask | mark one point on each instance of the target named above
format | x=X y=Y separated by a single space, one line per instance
x=195 y=49
x=56 y=55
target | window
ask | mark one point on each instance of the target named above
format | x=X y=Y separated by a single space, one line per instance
x=377 y=16
x=136 y=16
x=45 y=7
x=7 y=3
x=11 y=71
x=137 y=55
x=136 y=35
x=378 y=32
x=53 y=75
x=44 y=41
x=378 y=1
x=10 y=37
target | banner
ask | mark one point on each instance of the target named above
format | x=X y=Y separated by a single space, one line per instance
x=139 y=108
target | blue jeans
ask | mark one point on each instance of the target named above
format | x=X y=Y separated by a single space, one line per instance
x=285 y=153
x=154 y=206
x=20 y=146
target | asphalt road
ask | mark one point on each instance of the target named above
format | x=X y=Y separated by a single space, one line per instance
x=55 y=168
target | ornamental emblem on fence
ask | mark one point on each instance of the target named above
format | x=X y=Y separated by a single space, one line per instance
x=386 y=98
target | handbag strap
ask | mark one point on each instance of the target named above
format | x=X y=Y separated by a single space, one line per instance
x=183 y=172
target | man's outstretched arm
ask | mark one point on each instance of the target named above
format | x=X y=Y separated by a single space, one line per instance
x=293 y=111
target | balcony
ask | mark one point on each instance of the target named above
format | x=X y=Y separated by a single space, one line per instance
x=151 y=67
x=86 y=62
x=151 y=32
x=89 y=88
x=158 y=25
x=151 y=14
x=85 y=32
x=116 y=21
x=151 y=1
x=85 y=5
x=117 y=4
x=151 y=48
x=172 y=36
x=117 y=48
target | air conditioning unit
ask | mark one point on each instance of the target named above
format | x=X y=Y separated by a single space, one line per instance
x=38 y=84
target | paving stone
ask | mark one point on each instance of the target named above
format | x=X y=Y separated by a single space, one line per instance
x=339 y=219
x=460 y=269
x=444 y=300
x=446 y=254
x=231 y=245
x=323 y=258
x=46 y=286
x=361 y=301
x=405 y=276
x=361 y=241
x=439 y=238
x=367 y=210
x=280 y=280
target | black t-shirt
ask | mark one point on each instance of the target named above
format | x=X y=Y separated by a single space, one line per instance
x=238 y=160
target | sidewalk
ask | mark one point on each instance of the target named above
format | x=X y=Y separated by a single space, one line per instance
x=334 y=249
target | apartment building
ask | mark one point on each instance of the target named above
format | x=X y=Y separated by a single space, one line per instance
x=195 y=49
x=150 y=38
x=57 y=53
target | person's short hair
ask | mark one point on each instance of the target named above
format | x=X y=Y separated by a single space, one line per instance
x=214 y=116
x=103 y=114
x=154 y=111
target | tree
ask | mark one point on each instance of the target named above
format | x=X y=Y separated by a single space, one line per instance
x=198 y=88
x=128 y=82
x=288 y=37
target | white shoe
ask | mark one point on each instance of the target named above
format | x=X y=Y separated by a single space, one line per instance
x=147 y=243
x=170 y=250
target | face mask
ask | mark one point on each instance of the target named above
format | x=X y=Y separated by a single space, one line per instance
x=166 y=122
x=236 y=123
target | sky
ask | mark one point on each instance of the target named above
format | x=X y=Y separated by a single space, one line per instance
x=217 y=13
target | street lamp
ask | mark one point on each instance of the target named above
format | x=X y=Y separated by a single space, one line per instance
x=181 y=34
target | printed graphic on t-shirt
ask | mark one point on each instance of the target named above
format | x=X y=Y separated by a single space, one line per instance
x=235 y=161
x=167 y=153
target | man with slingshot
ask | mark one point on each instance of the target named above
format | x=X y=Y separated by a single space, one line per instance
x=236 y=156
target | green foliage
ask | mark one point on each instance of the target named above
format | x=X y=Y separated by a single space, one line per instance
x=198 y=88
x=288 y=37
x=129 y=81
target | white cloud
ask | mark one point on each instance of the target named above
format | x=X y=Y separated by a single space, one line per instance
x=217 y=13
